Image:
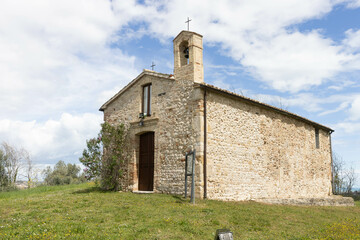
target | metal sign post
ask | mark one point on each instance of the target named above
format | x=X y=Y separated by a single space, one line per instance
x=190 y=171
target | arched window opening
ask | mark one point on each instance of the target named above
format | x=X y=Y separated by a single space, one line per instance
x=184 y=53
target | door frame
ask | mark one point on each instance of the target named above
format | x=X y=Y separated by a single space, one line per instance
x=150 y=125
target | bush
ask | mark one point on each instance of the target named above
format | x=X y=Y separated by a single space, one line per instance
x=8 y=188
x=355 y=195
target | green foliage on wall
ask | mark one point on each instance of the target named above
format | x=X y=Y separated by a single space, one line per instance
x=103 y=157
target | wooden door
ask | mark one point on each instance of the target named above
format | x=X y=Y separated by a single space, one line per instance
x=146 y=162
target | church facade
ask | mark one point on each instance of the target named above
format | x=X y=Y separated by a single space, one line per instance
x=245 y=149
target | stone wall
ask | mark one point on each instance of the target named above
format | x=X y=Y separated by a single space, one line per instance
x=174 y=104
x=194 y=69
x=176 y=118
x=256 y=153
x=252 y=151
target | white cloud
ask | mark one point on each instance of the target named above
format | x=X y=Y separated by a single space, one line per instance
x=347 y=105
x=57 y=62
x=222 y=84
x=296 y=61
x=57 y=56
x=261 y=36
x=342 y=106
x=348 y=127
x=355 y=109
x=352 y=39
x=220 y=20
x=353 y=3
x=341 y=84
x=307 y=101
x=52 y=140
x=56 y=66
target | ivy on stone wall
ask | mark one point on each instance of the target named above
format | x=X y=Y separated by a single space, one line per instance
x=104 y=156
x=112 y=138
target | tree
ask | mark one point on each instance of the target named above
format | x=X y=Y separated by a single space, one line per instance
x=12 y=160
x=63 y=174
x=343 y=179
x=4 y=182
x=349 y=180
x=91 y=158
x=104 y=156
x=29 y=167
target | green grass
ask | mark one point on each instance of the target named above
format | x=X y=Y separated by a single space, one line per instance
x=84 y=212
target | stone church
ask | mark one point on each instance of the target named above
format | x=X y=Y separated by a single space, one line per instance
x=245 y=149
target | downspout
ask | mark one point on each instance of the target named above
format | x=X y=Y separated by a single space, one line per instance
x=332 y=166
x=205 y=140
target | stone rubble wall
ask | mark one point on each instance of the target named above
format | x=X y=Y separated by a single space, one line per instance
x=255 y=153
x=172 y=115
x=194 y=70
x=176 y=119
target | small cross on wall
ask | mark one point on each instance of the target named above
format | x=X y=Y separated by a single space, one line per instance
x=152 y=66
x=188 y=23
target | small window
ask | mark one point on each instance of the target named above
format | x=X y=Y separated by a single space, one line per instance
x=146 y=102
x=317 y=141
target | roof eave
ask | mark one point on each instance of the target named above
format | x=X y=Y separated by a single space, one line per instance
x=187 y=32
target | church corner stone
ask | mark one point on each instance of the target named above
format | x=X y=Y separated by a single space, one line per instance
x=253 y=151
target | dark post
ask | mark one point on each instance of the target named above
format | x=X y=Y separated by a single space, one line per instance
x=192 y=200
x=332 y=167
x=190 y=171
x=186 y=174
x=205 y=141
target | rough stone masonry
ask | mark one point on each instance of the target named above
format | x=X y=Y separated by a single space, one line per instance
x=245 y=149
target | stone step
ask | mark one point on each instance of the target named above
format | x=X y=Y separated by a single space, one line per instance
x=143 y=192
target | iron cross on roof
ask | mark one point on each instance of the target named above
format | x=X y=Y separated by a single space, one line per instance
x=152 y=66
x=188 y=23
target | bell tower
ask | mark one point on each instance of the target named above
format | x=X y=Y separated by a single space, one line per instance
x=188 y=57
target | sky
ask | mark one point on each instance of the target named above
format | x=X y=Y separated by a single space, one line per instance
x=61 y=60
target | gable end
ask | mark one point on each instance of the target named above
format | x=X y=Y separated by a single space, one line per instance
x=135 y=80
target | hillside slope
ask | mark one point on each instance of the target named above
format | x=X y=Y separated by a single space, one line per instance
x=84 y=212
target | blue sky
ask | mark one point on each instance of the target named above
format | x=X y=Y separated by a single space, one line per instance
x=59 y=62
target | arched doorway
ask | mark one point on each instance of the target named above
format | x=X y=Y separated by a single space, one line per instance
x=146 y=162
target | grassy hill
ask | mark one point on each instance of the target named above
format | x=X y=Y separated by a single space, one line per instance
x=84 y=212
